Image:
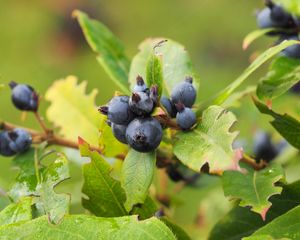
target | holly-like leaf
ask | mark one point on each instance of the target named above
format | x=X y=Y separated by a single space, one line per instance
x=260 y=60
x=137 y=175
x=110 y=50
x=176 y=63
x=287 y=126
x=284 y=73
x=210 y=142
x=154 y=74
x=104 y=195
x=89 y=227
x=72 y=110
x=16 y=212
x=241 y=221
x=251 y=37
x=253 y=188
x=287 y=226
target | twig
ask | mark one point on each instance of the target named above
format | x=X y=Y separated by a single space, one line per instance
x=250 y=161
x=42 y=123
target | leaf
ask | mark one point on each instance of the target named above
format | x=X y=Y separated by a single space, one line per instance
x=233 y=100
x=253 y=188
x=16 y=212
x=178 y=231
x=137 y=175
x=210 y=142
x=284 y=73
x=287 y=126
x=154 y=74
x=176 y=63
x=261 y=59
x=105 y=196
x=89 y=227
x=241 y=222
x=286 y=226
x=146 y=210
x=255 y=35
x=110 y=50
x=72 y=110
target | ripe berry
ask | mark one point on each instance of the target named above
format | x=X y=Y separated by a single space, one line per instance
x=118 y=110
x=5 y=150
x=264 y=18
x=20 y=140
x=140 y=85
x=169 y=106
x=141 y=104
x=144 y=134
x=263 y=148
x=185 y=117
x=119 y=131
x=185 y=93
x=294 y=50
x=24 y=97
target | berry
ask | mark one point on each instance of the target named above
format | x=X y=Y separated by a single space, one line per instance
x=24 y=97
x=140 y=85
x=141 y=104
x=296 y=88
x=174 y=173
x=263 y=147
x=294 y=50
x=20 y=140
x=185 y=117
x=264 y=18
x=185 y=93
x=5 y=150
x=169 y=106
x=144 y=134
x=118 y=110
x=119 y=131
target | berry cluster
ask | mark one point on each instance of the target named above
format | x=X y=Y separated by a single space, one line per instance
x=19 y=140
x=287 y=26
x=130 y=117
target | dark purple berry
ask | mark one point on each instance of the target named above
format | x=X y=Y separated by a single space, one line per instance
x=140 y=85
x=20 y=140
x=184 y=93
x=174 y=173
x=185 y=117
x=294 y=50
x=119 y=131
x=263 y=148
x=169 y=106
x=144 y=134
x=141 y=104
x=24 y=97
x=5 y=150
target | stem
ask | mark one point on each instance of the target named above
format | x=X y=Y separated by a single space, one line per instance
x=252 y=162
x=42 y=123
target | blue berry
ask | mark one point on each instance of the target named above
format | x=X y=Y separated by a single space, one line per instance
x=294 y=50
x=263 y=148
x=141 y=103
x=144 y=134
x=118 y=110
x=5 y=150
x=24 y=97
x=169 y=106
x=20 y=140
x=185 y=117
x=264 y=18
x=140 y=85
x=184 y=93
x=119 y=131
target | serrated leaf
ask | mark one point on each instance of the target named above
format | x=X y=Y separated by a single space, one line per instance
x=284 y=73
x=89 y=227
x=260 y=60
x=137 y=175
x=176 y=63
x=286 y=226
x=252 y=36
x=210 y=142
x=287 y=126
x=154 y=74
x=104 y=195
x=110 y=50
x=16 y=212
x=72 y=110
x=241 y=222
x=253 y=188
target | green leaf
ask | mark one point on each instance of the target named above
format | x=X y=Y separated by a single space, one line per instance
x=251 y=37
x=110 y=51
x=73 y=111
x=137 y=175
x=104 y=195
x=210 y=142
x=145 y=210
x=234 y=99
x=285 y=226
x=261 y=59
x=287 y=126
x=253 y=188
x=16 y=212
x=241 y=222
x=154 y=74
x=284 y=73
x=178 y=231
x=176 y=63
x=89 y=227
